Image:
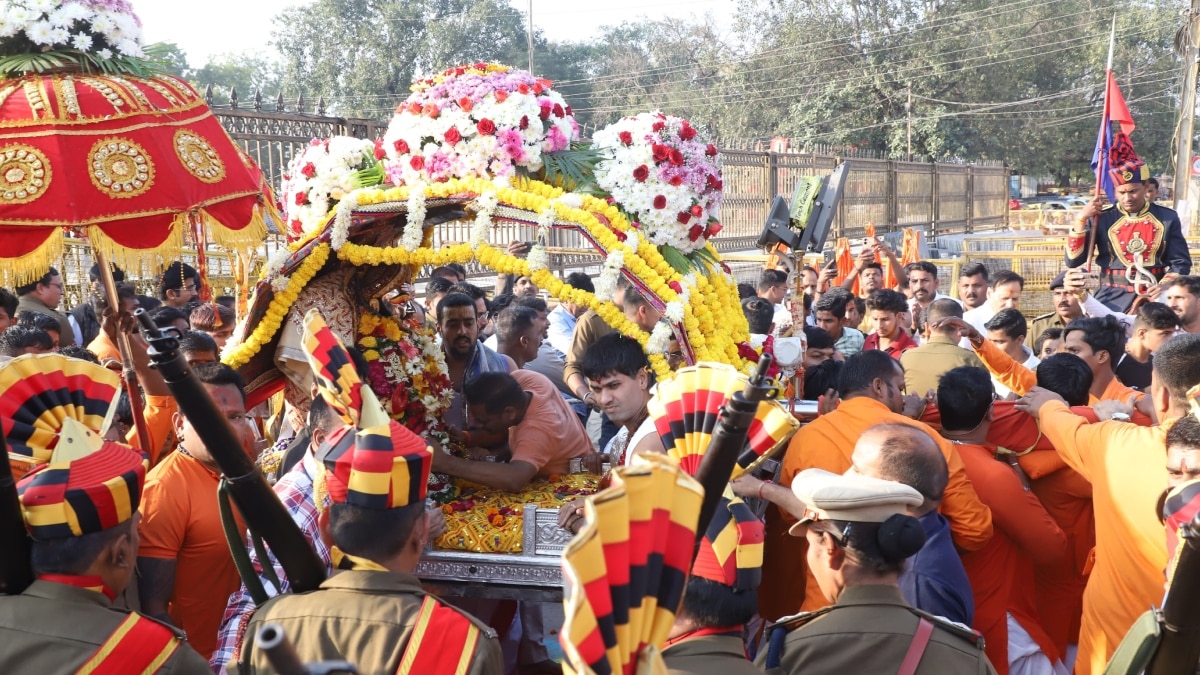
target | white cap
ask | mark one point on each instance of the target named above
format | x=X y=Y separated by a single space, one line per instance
x=853 y=498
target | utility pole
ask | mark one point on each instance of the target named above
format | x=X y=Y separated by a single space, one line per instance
x=529 y=35
x=1187 y=110
x=908 y=123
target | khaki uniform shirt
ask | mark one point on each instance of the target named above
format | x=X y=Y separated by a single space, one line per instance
x=55 y=628
x=925 y=364
x=1041 y=323
x=589 y=328
x=709 y=655
x=364 y=617
x=869 y=631
x=66 y=334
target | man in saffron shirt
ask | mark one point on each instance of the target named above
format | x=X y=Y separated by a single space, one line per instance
x=1024 y=535
x=884 y=308
x=1125 y=464
x=872 y=389
x=1099 y=342
x=185 y=571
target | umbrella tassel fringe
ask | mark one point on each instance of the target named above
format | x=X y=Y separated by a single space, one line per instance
x=32 y=266
x=142 y=261
x=243 y=240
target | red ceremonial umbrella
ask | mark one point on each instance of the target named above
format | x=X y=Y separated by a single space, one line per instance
x=93 y=138
x=131 y=161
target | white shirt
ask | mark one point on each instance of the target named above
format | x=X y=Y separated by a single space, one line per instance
x=1094 y=308
x=562 y=328
x=979 y=317
x=1031 y=362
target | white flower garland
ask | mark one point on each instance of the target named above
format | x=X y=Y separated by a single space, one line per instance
x=674 y=312
x=606 y=284
x=545 y=221
x=341 y=220
x=660 y=338
x=486 y=203
x=414 y=231
x=538 y=258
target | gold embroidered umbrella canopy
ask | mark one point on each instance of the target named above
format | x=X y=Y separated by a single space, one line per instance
x=93 y=138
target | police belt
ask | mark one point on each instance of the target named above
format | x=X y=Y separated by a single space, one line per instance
x=1115 y=278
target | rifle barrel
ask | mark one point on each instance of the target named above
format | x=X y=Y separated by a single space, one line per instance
x=1179 y=649
x=16 y=570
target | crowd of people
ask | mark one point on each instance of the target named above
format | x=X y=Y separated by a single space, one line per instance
x=982 y=488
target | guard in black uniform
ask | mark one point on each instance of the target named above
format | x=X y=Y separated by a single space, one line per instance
x=1138 y=244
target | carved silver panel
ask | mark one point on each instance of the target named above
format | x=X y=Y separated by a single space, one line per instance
x=539 y=563
x=495 y=568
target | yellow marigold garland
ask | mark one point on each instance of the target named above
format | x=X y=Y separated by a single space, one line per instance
x=713 y=292
x=278 y=309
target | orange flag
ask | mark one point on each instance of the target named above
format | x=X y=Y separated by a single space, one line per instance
x=911 y=251
x=845 y=261
x=889 y=274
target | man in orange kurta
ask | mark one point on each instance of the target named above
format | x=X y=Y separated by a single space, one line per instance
x=872 y=389
x=1125 y=463
x=1025 y=539
x=1100 y=345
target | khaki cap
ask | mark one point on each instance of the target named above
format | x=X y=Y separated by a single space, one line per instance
x=853 y=498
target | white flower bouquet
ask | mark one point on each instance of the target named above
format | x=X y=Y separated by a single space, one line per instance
x=322 y=175
x=477 y=121
x=36 y=35
x=665 y=177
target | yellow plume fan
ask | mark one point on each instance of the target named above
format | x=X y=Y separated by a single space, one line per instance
x=336 y=377
x=624 y=572
x=685 y=410
x=39 y=391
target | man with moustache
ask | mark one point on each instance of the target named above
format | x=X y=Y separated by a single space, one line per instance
x=466 y=359
x=972 y=285
x=1066 y=308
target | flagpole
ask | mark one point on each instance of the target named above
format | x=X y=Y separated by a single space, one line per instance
x=1104 y=121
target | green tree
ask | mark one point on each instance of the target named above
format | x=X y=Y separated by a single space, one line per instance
x=246 y=73
x=362 y=55
x=171 y=58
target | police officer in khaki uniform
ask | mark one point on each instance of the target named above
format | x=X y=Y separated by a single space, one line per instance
x=939 y=354
x=82 y=515
x=858 y=538
x=374 y=614
x=1066 y=309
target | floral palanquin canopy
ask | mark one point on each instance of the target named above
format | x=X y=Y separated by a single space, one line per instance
x=131 y=162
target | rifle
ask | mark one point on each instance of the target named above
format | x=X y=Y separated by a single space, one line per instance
x=256 y=501
x=283 y=658
x=1179 y=646
x=16 y=570
x=728 y=439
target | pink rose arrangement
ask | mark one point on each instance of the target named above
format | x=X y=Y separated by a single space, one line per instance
x=476 y=121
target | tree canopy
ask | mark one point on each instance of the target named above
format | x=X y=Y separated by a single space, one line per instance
x=1020 y=81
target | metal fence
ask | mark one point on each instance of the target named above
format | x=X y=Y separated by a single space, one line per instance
x=938 y=198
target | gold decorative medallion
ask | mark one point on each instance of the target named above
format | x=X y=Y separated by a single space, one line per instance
x=198 y=156
x=120 y=168
x=24 y=174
